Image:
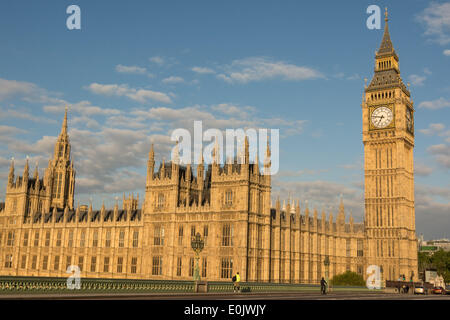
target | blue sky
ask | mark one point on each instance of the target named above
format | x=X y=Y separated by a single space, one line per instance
x=134 y=72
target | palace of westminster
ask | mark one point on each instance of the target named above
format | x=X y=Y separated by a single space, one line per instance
x=42 y=233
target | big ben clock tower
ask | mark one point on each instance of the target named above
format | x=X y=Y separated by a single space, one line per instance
x=388 y=137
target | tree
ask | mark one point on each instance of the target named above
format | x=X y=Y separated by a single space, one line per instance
x=439 y=260
x=348 y=278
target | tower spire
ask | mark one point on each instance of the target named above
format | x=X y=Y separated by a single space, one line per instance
x=386 y=46
x=64 y=124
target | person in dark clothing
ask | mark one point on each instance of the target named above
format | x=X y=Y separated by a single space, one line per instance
x=323 y=286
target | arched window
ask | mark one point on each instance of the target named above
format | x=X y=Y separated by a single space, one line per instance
x=160 y=200
x=229 y=197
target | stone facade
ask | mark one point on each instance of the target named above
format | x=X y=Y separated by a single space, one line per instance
x=41 y=233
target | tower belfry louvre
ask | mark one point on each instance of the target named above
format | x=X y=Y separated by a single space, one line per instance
x=230 y=205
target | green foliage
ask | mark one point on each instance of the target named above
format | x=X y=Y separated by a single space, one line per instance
x=440 y=261
x=348 y=278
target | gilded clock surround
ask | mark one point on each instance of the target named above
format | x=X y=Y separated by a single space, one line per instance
x=375 y=107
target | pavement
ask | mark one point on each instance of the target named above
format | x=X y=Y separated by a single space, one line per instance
x=367 y=295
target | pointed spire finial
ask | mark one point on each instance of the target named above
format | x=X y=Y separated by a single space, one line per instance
x=64 y=124
x=151 y=154
x=36 y=171
x=385 y=14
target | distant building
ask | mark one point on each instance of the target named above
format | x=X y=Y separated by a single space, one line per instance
x=431 y=246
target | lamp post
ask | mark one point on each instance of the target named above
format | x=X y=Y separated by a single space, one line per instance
x=326 y=263
x=197 y=244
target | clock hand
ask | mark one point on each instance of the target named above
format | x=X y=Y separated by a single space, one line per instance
x=381 y=118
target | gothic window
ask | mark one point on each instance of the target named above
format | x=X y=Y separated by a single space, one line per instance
x=157 y=266
x=45 y=263
x=25 y=238
x=204 y=266
x=58 y=238
x=180 y=235
x=160 y=200
x=192 y=231
x=179 y=266
x=68 y=261
x=121 y=239
x=34 y=262
x=106 y=264
x=191 y=267
x=133 y=264
x=119 y=264
x=61 y=148
x=10 y=241
x=70 y=242
x=205 y=234
x=80 y=263
x=360 y=250
x=95 y=239
x=226 y=271
x=56 y=264
x=93 y=264
x=108 y=239
x=82 y=239
x=227 y=235
x=158 y=236
x=23 y=261
x=135 y=239
x=228 y=197
x=36 y=238
x=8 y=261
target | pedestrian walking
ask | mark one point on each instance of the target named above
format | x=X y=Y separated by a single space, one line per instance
x=323 y=286
x=236 y=282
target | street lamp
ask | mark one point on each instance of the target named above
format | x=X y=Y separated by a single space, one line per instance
x=197 y=244
x=326 y=263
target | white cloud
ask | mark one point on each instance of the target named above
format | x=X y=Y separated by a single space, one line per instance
x=233 y=110
x=433 y=128
x=446 y=52
x=421 y=169
x=258 y=68
x=139 y=95
x=417 y=80
x=83 y=107
x=436 y=18
x=432 y=208
x=203 y=70
x=23 y=114
x=9 y=88
x=130 y=69
x=435 y=104
x=173 y=80
x=441 y=153
x=322 y=194
x=158 y=60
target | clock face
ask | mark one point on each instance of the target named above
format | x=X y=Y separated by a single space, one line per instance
x=381 y=117
x=409 y=120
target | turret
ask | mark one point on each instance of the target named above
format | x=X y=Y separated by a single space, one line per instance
x=11 y=173
x=25 y=174
x=267 y=160
x=150 y=164
x=36 y=172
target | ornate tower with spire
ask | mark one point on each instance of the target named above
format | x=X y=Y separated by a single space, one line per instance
x=388 y=137
x=60 y=173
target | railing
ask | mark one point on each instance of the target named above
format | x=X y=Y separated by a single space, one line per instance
x=59 y=285
x=40 y=285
